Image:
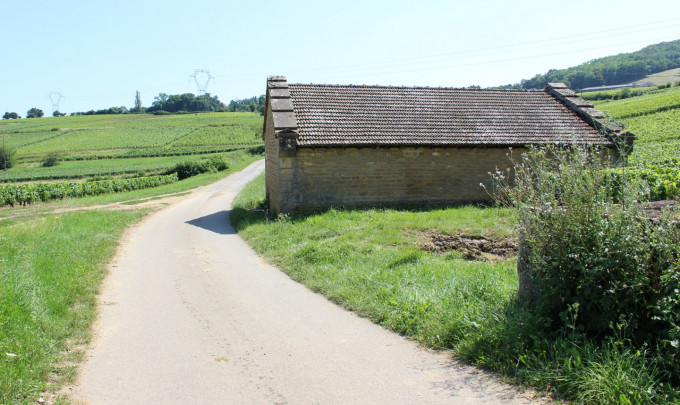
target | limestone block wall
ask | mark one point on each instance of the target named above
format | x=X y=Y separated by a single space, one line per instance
x=319 y=178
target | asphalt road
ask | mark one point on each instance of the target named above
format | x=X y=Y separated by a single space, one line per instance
x=189 y=314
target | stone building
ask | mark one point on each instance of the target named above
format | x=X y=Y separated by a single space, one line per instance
x=368 y=146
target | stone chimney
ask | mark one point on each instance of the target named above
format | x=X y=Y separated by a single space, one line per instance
x=285 y=124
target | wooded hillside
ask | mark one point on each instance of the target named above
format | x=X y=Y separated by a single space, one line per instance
x=610 y=70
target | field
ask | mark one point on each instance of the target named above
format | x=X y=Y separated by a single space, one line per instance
x=109 y=147
x=667 y=76
x=654 y=117
x=650 y=102
x=113 y=145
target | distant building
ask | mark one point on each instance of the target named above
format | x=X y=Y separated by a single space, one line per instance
x=368 y=146
x=618 y=86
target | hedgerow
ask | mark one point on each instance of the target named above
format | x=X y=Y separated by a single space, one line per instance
x=23 y=194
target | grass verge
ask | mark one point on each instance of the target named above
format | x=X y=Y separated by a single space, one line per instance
x=50 y=272
x=370 y=262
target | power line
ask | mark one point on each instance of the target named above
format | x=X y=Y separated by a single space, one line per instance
x=55 y=97
x=564 y=40
x=484 y=51
x=380 y=71
x=202 y=78
x=487 y=62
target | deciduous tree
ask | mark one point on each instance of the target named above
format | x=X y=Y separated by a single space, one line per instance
x=6 y=157
x=34 y=113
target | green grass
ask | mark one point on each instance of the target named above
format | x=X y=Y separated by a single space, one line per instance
x=667 y=76
x=237 y=161
x=250 y=197
x=50 y=272
x=370 y=262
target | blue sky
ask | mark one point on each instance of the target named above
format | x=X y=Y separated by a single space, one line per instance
x=97 y=54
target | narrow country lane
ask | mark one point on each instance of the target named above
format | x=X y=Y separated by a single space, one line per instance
x=189 y=314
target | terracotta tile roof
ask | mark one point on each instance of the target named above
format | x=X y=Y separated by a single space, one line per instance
x=338 y=115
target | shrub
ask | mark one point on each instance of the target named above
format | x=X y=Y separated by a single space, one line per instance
x=595 y=262
x=52 y=159
x=217 y=163
x=7 y=157
x=192 y=168
x=188 y=169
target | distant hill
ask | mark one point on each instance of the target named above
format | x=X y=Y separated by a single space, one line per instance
x=610 y=70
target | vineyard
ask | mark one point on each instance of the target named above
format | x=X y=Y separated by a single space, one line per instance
x=24 y=194
x=85 y=135
x=646 y=104
x=655 y=118
x=113 y=148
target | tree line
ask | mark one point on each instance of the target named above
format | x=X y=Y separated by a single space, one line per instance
x=166 y=104
x=253 y=104
x=32 y=113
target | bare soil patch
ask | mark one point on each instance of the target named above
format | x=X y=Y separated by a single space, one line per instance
x=152 y=203
x=470 y=247
x=655 y=209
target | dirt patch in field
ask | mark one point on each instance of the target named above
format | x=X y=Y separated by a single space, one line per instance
x=42 y=208
x=470 y=247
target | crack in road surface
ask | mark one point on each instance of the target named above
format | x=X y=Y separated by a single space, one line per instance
x=190 y=314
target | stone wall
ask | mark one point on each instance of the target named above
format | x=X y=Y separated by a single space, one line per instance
x=319 y=178
x=271 y=156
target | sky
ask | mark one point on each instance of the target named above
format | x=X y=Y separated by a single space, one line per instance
x=98 y=54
